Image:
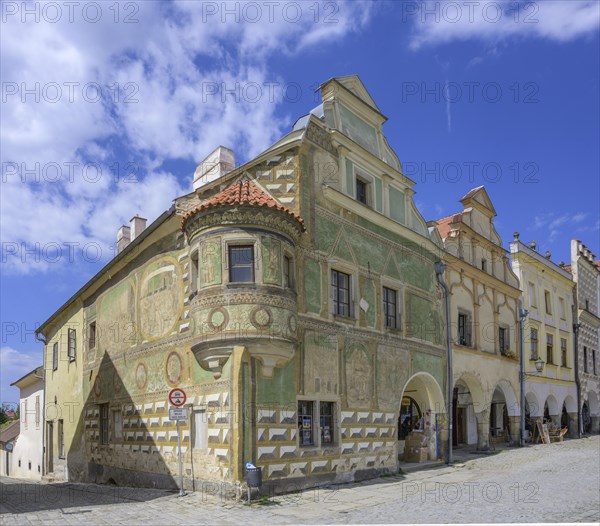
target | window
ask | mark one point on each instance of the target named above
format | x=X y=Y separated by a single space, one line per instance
x=587 y=304
x=464 y=329
x=585 y=360
x=390 y=308
x=362 y=191
x=549 y=348
x=37 y=411
x=55 y=356
x=305 y=423
x=503 y=339
x=92 y=335
x=561 y=303
x=61 y=439
x=340 y=289
x=327 y=420
x=534 y=344
x=288 y=273
x=104 y=424
x=117 y=425
x=532 y=295
x=563 y=352
x=594 y=361
x=25 y=412
x=483 y=265
x=72 y=343
x=241 y=264
x=548 y=302
x=200 y=431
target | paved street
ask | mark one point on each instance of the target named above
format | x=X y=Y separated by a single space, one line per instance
x=544 y=483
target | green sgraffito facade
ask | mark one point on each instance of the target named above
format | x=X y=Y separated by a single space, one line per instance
x=312 y=286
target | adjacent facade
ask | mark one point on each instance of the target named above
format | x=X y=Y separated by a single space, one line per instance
x=27 y=454
x=548 y=296
x=484 y=313
x=586 y=274
x=293 y=298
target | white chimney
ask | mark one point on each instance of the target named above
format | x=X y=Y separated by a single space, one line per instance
x=218 y=163
x=138 y=225
x=123 y=238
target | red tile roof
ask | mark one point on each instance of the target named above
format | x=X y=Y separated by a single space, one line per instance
x=244 y=193
x=443 y=225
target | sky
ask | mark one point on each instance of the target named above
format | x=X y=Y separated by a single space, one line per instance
x=107 y=108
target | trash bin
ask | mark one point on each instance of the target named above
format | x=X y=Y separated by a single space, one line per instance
x=254 y=477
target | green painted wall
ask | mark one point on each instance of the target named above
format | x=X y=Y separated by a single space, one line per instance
x=397 y=205
x=430 y=364
x=279 y=390
x=312 y=286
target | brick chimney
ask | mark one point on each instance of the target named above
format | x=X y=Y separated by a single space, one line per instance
x=123 y=238
x=218 y=163
x=138 y=225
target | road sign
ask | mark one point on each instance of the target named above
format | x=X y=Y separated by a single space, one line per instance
x=178 y=413
x=177 y=397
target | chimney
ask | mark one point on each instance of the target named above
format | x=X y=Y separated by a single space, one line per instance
x=218 y=163
x=123 y=238
x=138 y=225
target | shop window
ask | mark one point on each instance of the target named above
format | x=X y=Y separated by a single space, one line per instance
x=340 y=289
x=72 y=344
x=104 y=424
x=534 y=344
x=306 y=422
x=327 y=421
x=241 y=263
x=390 y=308
x=464 y=329
x=61 y=438
x=563 y=352
x=55 y=356
x=549 y=348
x=410 y=417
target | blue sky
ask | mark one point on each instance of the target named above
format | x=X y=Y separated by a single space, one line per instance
x=105 y=114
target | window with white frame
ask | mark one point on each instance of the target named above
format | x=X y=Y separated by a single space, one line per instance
x=503 y=340
x=534 y=344
x=55 y=356
x=241 y=263
x=341 y=293
x=548 y=302
x=464 y=329
x=72 y=344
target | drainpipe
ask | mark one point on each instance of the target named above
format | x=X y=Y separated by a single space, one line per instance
x=440 y=267
x=522 y=315
x=576 y=327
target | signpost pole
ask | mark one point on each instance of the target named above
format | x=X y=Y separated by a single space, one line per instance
x=181 y=492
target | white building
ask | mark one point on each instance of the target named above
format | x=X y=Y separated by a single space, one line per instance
x=27 y=455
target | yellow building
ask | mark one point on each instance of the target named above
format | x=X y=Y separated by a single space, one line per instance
x=548 y=298
x=484 y=313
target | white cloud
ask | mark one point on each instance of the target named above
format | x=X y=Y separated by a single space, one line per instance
x=14 y=365
x=436 y=22
x=554 y=225
x=162 y=82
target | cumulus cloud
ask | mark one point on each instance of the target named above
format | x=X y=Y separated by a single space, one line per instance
x=145 y=83
x=436 y=22
x=15 y=364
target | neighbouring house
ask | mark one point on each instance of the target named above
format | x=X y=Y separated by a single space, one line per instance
x=28 y=448
x=293 y=298
x=8 y=436
x=548 y=296
x=484 y=313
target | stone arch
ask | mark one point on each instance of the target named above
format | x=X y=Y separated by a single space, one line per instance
x=512 y=404
x=570 y=404
x=469 y=412
x=535 y=409
x=429 y=391
x=593 y=403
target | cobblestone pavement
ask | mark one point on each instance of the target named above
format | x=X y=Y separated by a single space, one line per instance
x=544 y=483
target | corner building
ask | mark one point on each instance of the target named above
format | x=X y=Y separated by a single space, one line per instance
x=293 y=298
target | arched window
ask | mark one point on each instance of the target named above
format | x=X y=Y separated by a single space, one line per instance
x=410 y=416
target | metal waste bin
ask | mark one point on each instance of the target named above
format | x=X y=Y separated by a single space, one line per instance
x=254 y=477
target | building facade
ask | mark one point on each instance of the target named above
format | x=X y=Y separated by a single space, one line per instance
x=484 y=313
x=293 y=298
x=27 y=461
x=548 y=296
x=586 y=274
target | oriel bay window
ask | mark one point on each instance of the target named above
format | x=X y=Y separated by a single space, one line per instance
x=340 y=290
x=241 y=263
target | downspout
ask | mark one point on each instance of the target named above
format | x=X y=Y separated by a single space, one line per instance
x=37 y=337
x=522 y=315
x=576 y=327
x=440 y=267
